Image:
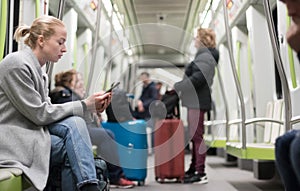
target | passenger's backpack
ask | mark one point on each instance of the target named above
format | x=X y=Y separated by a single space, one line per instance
x=171 y=101
x=102 y=173
x=167 y=107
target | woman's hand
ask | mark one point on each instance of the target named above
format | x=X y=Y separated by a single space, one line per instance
x=293 y=36
x=98 y=102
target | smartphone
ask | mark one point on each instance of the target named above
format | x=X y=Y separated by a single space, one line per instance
x=113 y=86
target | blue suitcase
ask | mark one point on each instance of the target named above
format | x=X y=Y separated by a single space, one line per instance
x=131 y=138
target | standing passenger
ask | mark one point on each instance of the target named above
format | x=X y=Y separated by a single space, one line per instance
x=196 y=96
x=35 y=134
x=287 y=150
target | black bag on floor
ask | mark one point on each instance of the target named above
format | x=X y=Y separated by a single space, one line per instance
x=171 y=101
x=102 y=173
x=167 y=107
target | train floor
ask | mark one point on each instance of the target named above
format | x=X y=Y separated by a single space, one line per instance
x=221 y=177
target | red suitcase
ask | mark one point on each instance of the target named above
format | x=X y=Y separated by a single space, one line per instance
x=169 y=150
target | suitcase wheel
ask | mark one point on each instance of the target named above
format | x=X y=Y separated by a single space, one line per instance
x=159 y=180
x=141 y=183
x=162 y=180
x=180 y=180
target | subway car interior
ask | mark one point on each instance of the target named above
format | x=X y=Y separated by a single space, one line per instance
x=254 y=92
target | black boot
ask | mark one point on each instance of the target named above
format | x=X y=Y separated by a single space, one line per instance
x=191 y=171
x=91 y=187
x=196 y=177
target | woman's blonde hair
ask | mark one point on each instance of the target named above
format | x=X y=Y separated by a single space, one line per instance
x=207 y=37
x=44 y=25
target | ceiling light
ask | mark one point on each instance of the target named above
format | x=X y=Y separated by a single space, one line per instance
x=229 y=4
x=129 y=52
x=93 y=5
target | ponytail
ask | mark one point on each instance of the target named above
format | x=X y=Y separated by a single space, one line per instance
x=21 y=31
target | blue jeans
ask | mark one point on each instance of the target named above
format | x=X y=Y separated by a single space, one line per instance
x=287 y=152
x=71 y=154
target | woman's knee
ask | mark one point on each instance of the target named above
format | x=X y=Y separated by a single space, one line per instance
x=286 y=139
x=68 y=125
x=69 y=122
x=75 y=121
x=278 y=142
x=110 y=133
x=295 y=149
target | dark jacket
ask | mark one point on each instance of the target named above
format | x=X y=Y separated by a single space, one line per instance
x=149 y=94
x=194 y=88
x=62 y=94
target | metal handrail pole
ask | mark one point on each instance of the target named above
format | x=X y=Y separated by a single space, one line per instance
x=94 y=47
x=295 y=120
x=279 y=64
x=109 y=64
x=225 y=103
x=236 y=80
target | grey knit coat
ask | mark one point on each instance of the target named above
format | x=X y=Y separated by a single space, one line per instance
x=25 y=113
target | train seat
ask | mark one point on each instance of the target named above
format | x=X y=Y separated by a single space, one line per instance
x=10 y=179
x=215 y=133
x=273 y=125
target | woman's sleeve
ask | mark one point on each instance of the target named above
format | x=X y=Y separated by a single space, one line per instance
x=195 y=80
x=20 y=89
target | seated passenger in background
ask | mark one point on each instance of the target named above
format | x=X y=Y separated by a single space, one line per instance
x=64 y=87
x=70 y=87
x=119 y=109
x=287 y=146
x=148 y=95
x=36 y=135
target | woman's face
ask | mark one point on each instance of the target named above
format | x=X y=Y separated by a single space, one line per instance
x=73 y=81
x=54 y=47
x=197 y=41
x=79 y=86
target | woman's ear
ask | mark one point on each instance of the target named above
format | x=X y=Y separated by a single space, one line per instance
x=41 y=40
